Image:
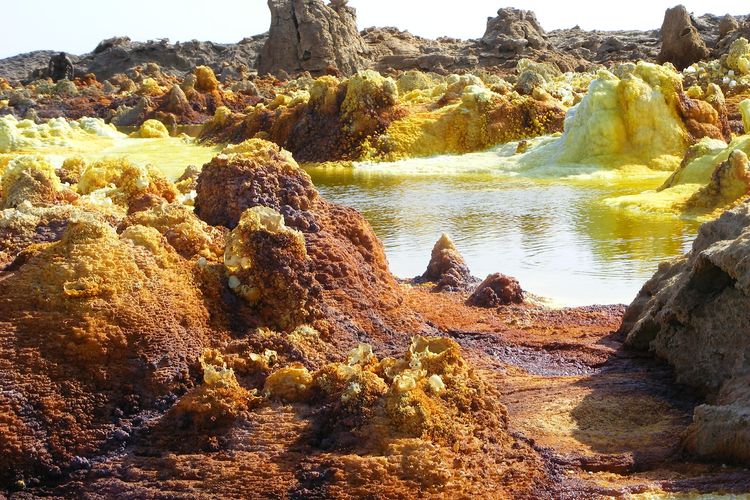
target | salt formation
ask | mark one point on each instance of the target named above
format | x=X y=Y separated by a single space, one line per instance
x=267 y=264
x=31 y=179
x=240 y=177
x=27 y=136
x=292 y=256
x=712 y=176
x=151 y=129
x=409 y=410
x=81 y=319
x=496 y=290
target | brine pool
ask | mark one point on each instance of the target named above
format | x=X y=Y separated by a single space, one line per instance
x=556 y=236
x=550 y=228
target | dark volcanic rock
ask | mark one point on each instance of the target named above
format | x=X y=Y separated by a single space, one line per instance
x=121 y=55
x=307 y=35
x=19 y=67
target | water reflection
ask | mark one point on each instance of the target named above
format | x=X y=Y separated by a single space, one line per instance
x=555 y=236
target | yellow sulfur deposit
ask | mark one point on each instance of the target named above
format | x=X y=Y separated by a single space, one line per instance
x=205 y=79
x=151 y=129
x=738 y=57
x=366 y=93
x=219 y=400
x=621 y=121
x=745 y=111
x=31 y=179
x=128 y=180
x=291 y=383
x=27 y=136
x=150 y=87
x=468 y=117
x=264 y=260
x=712 y=176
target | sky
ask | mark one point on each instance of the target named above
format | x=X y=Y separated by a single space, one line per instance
x=77 y=26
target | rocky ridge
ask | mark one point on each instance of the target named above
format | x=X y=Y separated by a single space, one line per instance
x=312 y=36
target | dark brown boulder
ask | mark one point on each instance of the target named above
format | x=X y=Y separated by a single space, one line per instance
x=681 y=44
x=497 y=290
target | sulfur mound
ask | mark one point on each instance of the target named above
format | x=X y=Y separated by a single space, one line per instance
x=712 y=176
x=124 y=182
x=216 y=403
x=687 y=314
x=410 y=415
x=94 y=328
x=267 y=266
x=151 y=129
x=185 y=232
x=252 y=173
x=496 y=290
x=367 y=117
x=447 y=268
x=293 y=256
x=205 y=79
x=729 y=182
x=34 y=180
x=27 y=225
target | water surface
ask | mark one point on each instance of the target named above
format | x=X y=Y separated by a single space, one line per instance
x=555 y=235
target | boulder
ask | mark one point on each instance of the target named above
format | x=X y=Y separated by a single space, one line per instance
x=727 y=25
x=307 y=35
x=496 y=290
x=513 y=31
x=681 y=44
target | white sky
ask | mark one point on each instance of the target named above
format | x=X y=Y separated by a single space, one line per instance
x=77 y=26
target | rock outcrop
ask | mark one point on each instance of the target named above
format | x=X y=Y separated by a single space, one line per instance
x=307 y=35
x=691 y=314
x=682 y=45
x=365 y=117
x=513 y=31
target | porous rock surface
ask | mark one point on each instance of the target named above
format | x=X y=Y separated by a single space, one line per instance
x=91 y=326
x=139 y=343
x=317 y=260
x=690 y=314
